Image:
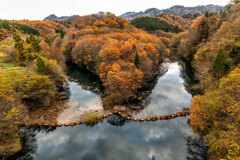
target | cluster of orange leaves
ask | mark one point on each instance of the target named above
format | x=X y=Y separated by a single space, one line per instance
x=108 y=48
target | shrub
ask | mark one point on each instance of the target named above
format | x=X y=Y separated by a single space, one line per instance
x=49 y=67
x=34 y=88
x=92 y=118
x=7 y=46
x=27 y=86
x=113 y=24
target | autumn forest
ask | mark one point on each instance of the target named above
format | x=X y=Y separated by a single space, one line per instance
x=125 y=57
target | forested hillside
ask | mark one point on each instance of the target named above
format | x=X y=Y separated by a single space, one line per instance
x=166 y=23
x=29 y=77
x=164 y=26
x=212 y=46
x=121 y=55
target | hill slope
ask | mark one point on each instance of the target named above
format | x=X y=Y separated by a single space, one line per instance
x=212 y=46
x=175 y=10
x=53 y=17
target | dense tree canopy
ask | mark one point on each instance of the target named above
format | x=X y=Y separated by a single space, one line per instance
x=152 y=24
x=106 y=46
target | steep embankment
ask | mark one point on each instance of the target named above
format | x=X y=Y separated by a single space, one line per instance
x=29 y=77
x=212 y=46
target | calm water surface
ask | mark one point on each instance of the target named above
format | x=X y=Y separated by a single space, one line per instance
x=116 y=138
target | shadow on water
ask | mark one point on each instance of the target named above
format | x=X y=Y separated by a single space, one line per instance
x=29 y=142
x=84 y=90
x=187 y=73
x=116 y=120
x=86 y=79
x=196 y=148
x=117 y=138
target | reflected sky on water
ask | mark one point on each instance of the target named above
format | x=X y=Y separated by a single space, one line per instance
x=163 y=140
x=84 y=98
x=159 y=140
x=168 y=96
x=81 y=92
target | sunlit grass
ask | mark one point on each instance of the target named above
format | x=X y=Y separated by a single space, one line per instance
x=6 y=65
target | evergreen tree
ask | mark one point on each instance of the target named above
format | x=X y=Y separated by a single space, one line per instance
x=32 y=38
x=62 y=33
x=28 y=40
x=21 y=57
x=18 y=42
x=219 y=64
x=134 y=47
x=153 y=23
x=73 y=36
x=35 y=44
x=136 y=60
x=41 y=65
x=47 y=40
x=210 y=14
x=206 y=13
x=224 y=13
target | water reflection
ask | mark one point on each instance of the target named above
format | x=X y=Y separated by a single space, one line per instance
x=85 y=79
x=168 y=96
x=117 y=138
x=187 y=73
x=196 y=148
x=83 y=98
x=136 y=141
x=84 y=91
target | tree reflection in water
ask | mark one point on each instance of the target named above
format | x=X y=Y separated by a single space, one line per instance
x=129 y=140
x=196 y=148
x=29 y=142
x=187 y=73
x=116 y=120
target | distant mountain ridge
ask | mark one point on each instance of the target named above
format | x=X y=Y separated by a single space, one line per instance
x=53 y=17
x=175 y=10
